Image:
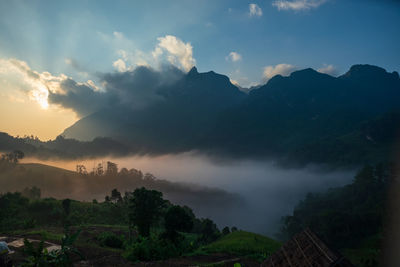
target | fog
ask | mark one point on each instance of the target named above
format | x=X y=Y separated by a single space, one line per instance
x=269 y=191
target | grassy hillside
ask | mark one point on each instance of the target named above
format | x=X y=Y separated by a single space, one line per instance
x=243 y=243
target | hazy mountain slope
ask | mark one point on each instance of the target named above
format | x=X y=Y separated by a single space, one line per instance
x=61 y=183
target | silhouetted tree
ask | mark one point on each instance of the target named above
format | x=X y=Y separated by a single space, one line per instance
x=81 y=169
x=13 y=157
x=116 y=196
x=209 y=231
x=145 y=209
x=99 y=170
x=66 y=204
x=226 y=230
x=177 y=219
x=112 y=168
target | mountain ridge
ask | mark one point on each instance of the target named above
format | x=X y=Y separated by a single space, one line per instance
x=293 y=116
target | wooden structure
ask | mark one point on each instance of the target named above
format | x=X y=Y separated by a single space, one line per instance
x=306 y=249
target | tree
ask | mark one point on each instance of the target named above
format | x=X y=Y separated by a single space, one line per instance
x=81 y=169
x=209 y=231
x=99 y=170
x=145 y=209
x=13 y=157
x=226 y=230
x=116 y=196
x=112 y=168
x=177 y=219
x=66 y=204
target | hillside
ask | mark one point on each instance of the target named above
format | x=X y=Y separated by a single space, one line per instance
x=61 y=183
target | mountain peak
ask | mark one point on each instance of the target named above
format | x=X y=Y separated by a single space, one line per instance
x=364 y=71
x=307 y=72
x=193 y=71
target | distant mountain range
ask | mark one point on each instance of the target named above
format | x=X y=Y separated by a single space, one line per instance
x=305 y=117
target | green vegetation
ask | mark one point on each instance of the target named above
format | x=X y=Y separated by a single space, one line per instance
x=350 y=218
x=139 y=225
x=111 y=240
x=244 y=244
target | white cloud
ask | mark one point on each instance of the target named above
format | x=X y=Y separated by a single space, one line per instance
x=297 y=5
x=255 y=10
x=282 y=69
x=328 y=69
x=36 y=85
x=233 y=56
x=120 y=65
x=177 y=52
x=118 y=35
x=234 y=82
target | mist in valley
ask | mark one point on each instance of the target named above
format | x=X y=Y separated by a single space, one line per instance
x=259 y=192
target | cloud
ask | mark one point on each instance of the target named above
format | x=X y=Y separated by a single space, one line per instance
x=176 y=51
x=233 y=56
x=46 y=88
x=328 y=69
x=297 y=5
x=76 y=66
x=82 y=98
x=281 y=69
x=36 y=85
x=255 y=10
x=120 y=65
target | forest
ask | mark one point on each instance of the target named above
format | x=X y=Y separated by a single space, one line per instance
x=141 y=225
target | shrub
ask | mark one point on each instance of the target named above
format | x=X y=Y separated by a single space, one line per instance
x=150 y=248
x=110 y=239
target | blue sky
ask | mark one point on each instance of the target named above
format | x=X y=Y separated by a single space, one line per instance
x=249 y=41
x=337 y=32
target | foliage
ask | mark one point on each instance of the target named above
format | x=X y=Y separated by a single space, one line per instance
x=345 y=216
x=151 y=248
x=226 y=230
x=243 y=243
x=170 y=225
x=110 y=239
x=209 y=231
x=36 y=256
x=177 y=219
x=62 y=257
x=40 y=257
x=145 y=209
x=13 y=157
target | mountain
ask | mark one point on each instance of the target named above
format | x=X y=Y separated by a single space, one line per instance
x=175 y=123
x=305 y=117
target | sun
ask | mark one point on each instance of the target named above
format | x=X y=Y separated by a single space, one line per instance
x=40 y=95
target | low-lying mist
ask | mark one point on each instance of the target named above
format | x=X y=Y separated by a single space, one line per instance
x=268 y=191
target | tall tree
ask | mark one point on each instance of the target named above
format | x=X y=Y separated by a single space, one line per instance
x=145 y=209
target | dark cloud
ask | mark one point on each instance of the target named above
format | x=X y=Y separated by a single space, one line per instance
x=81 y=98
x=134 y=89
x=142 y=86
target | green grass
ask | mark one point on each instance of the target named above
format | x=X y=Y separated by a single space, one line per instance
x=243 y=243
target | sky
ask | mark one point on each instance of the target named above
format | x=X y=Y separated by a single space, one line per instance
x=43 y=43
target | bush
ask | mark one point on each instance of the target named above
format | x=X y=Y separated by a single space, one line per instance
x=151 y=248
x=110 y=239
x=226 y=230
